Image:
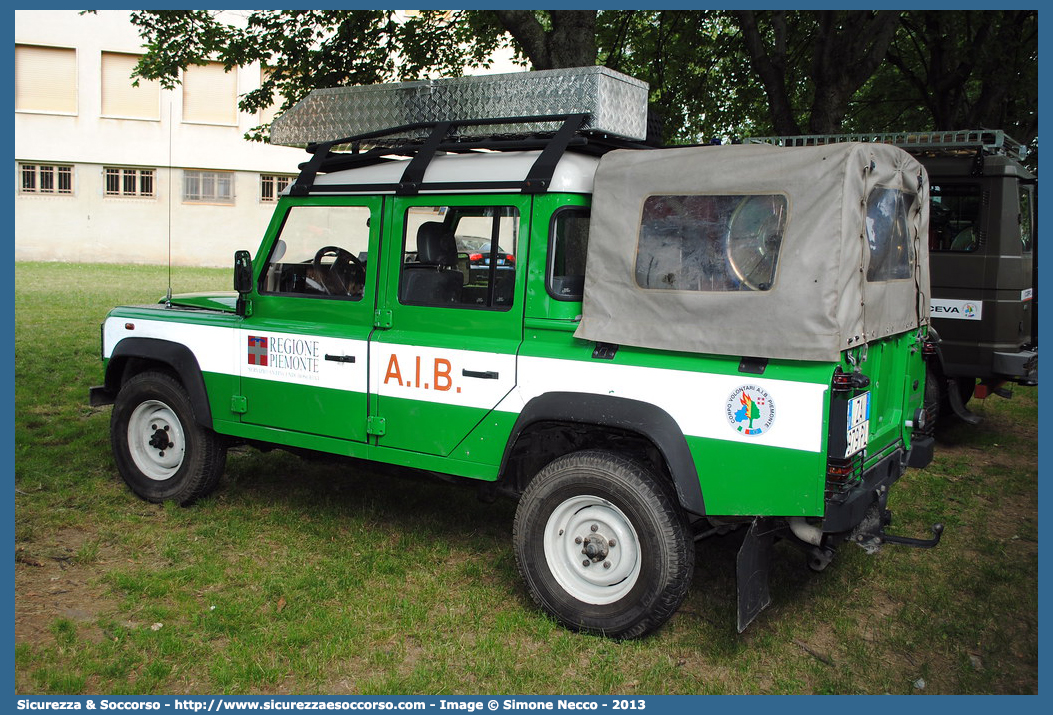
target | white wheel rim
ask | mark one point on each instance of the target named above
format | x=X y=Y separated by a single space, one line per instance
x=151 y=424
x=610 y=571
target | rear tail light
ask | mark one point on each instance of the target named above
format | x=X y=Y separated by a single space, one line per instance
x=845 y=381
x=843 y=474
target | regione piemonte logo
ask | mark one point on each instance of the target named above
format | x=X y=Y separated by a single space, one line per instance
x=750 y=410
x=257 y=350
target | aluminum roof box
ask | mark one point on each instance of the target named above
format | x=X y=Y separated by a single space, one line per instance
x=616 y=104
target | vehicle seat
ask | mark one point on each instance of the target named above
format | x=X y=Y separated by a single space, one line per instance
x=433 y=279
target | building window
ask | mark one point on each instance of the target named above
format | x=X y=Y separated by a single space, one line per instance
x=46 y=179
x=212 y=187
x=119 y=97
x=45 y=79
x=129 y=182
x=272 y=185
x=210 y=95
x=266 y=116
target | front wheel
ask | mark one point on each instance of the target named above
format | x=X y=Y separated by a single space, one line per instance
x=602 y=546
x=160 y=450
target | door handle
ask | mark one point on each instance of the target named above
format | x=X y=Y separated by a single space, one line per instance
x=340 y=358
x=488 y=375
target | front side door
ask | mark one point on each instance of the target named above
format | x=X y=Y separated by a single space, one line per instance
x=305 y=361
x=450 y=320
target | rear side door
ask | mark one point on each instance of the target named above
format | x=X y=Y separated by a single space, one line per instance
x=449 y=322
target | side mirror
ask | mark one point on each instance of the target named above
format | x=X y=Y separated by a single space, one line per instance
x=242 y=272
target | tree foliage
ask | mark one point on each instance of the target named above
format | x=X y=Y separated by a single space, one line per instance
x=710 y=73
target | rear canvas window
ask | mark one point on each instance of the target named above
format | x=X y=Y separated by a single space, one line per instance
x=889 y=235
x=710 y=243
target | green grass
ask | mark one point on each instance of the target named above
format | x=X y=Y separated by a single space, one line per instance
x=320 y=577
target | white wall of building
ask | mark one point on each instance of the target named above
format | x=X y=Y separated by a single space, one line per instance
x=90 y=226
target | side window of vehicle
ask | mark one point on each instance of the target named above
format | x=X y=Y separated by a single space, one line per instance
x=888 y=232
x=568 y=246
x=460 y=256
x=1027 y=217
x=954 y=217
x=710 y=243
x=320 y=251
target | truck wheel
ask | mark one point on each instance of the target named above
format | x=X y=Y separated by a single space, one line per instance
x=161 y=452
x=934 y=405
x=602 y=546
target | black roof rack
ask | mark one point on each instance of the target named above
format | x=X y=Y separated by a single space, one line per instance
x=948 y=142
x=441 y=137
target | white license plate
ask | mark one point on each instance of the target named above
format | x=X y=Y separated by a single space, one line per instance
x=858 y=428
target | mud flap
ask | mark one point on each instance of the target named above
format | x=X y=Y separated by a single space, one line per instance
x=752 y=567
x=954 y=398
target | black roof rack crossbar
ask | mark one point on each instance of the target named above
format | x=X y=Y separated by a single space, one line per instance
x=442 y=138
x=414 y=173
x=540 y=175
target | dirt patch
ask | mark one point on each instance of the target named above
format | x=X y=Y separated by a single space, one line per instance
x=54 y=581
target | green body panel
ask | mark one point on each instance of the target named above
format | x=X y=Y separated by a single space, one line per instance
x=539 y=304
x=427 y=427
x=305 y=408
x=896 y=370
x=220 y=388
x=176 y=315
x=744 y=479
x=226 y=301
x=359 y=450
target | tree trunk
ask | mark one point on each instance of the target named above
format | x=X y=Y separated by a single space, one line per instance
x=770 y=67
x=848 y=49
x=571 y=41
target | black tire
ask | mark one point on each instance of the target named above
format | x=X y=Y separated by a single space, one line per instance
x=162 y=453
x=630 y=588
x=934 y=406
x=966 y=386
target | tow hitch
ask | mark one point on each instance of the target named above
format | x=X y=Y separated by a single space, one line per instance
x=870 y=535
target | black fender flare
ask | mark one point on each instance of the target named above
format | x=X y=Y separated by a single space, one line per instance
x=176 y=356
x=645 y=419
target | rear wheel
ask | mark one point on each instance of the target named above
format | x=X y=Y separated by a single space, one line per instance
x=160 y=450
x=602 y=546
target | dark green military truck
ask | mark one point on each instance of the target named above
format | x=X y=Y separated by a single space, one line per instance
x=644 y=346
x=982 y=260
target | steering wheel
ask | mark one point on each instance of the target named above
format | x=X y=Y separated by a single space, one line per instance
x=338 y=277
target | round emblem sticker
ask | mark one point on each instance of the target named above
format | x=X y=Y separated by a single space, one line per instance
x=750 y=410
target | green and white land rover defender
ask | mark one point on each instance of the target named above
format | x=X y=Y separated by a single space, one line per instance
x=644 y=346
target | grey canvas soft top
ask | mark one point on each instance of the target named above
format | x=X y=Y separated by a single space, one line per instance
x=754 y=250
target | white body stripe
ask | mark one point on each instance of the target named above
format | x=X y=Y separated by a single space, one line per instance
x=301 y=359
x=697 y=401
x=419 y=369
x=213 y=346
